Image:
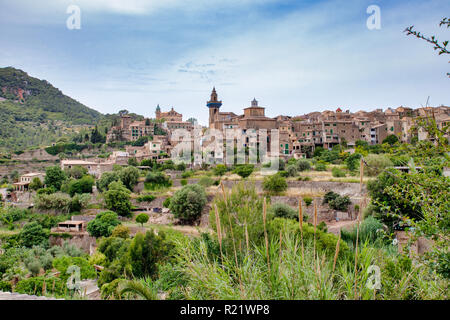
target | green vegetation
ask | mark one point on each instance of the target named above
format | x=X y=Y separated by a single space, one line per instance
x=275 y=184
x=142 y=218
x=103 y=224
x=187 y=204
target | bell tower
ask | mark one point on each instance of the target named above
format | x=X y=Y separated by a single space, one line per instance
x=214 y=105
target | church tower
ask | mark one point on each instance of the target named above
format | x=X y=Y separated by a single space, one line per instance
x=214 y=105
x=158 y=112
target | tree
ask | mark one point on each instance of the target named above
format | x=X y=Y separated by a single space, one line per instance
x=133 y=162
x=83 y=185
x=103 y=224
x=275 y=183
x=106 y=180
x=97 y=137
x=146 y=251
x=129 y=177
x=117 y=199
x=244 y=170
x=76 y=172
x=352 y=161
x=33 y=234
x=142 y=218
x=54 y=177
x=36 y=184
x=391 y=139
x=188 y=202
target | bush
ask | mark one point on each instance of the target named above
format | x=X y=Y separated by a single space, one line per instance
x=337 y=173
x=244 y=170
x=303 y=165
x=320 y=166
x=121 y=231
x=181 y=166
x=206 y=181
x=282 y=210
x=376 y=163
x=369 y=230
x=291 y=170
x=220 y=170
x=33 y=234
x=166 y=202
x=308 y=201
x=183 y=182
x=187 y=204
x=117 y=199
x=79 y=202
x=34 y=286
x=275 y=183
x=142 y=218
x=62 y=264
x=155 y=180
x=187 y=174
x=146 y=198
x=60 y=202
x=341 y=203
x=103 y=224
x=352 y=161
x=391 y=139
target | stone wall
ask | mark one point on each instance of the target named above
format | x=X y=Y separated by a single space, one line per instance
x=81 y=240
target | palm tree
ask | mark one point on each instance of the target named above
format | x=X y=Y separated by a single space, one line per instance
x=142 y=288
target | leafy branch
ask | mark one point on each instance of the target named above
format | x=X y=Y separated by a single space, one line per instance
x=442 y=47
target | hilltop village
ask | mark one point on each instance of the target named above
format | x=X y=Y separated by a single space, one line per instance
x=103 y=201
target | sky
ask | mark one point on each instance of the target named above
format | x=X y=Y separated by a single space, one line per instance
x=293 y=56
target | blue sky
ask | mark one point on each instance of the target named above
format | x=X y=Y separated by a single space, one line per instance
x=293 y=56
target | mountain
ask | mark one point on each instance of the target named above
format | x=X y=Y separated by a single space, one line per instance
x=35 y=113
x=39 y=95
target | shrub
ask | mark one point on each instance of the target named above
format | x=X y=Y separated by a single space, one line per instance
x=376 y=163
x=206 y=181
x=369 y=230
x=320 y=166
x=244 y=170
x=337 y=173
x=146 y=198
x=181 y=166
x=220 y=170
x=121 y=231
x=283 y=173
x=155 y=180
x=303 y=165
x=34 y=286
x=187 y=204
x=103 y=224
x=79 y=202
x=187 y=174
x=62 y=264
x=391 y=139
x=166 y=202
x=352 y=161
x=183 y=182
x=341 y=203
x=117 y=199
x=292 y=170
x=60 y=202
x=142 y=218
x=33 y=234
x=308 y=201
x=275 y=183
x=49 y=190
x=282 y=210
